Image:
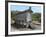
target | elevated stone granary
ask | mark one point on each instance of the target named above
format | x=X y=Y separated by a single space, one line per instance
x=24 y=17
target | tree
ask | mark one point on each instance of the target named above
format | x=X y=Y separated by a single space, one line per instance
x=36 y=17
x=13 y=14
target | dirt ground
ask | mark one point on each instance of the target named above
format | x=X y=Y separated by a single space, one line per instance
x=35 y=26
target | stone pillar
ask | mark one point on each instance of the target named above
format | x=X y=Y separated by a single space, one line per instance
x=29 y=17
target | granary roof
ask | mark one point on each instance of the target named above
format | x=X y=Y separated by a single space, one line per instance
x=21 y=12
x=25 y=11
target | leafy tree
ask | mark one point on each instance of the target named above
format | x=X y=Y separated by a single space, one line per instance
x=36 y=17
x=13 y=14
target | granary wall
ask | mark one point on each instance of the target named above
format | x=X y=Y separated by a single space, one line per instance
x=23 y=18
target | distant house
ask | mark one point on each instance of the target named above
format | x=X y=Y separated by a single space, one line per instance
x=24 y=17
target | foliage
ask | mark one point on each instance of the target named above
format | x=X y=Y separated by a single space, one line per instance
x=13 y=14
x=36 y=17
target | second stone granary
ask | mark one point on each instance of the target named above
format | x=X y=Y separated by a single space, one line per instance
x=24 y=17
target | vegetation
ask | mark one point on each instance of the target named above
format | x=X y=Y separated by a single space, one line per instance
x=36 y=17
x=13 y=14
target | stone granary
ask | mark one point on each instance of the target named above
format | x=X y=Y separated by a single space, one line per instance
x=24 y=18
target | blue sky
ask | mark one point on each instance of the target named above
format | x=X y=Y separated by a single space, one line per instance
x=21 y=8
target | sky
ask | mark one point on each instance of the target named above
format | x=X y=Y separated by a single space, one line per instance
x=22 y=8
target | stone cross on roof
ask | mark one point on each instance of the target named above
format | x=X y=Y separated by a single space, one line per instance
x=29 y=8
